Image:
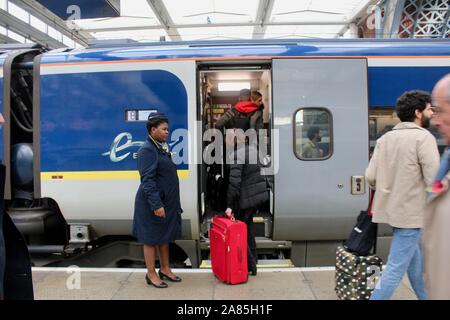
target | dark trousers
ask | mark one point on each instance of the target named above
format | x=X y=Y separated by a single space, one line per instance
x=15 y=266
x=2 y=240
x=246 y=215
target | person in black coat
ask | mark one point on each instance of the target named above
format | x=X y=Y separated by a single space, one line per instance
x=157 y=213
x=16 y=281
x=247 y=188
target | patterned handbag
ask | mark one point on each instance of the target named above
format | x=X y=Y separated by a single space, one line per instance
x=356 y=276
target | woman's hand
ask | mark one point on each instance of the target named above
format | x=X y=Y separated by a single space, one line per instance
x=160 y=212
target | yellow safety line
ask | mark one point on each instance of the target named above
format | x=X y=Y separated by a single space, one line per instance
x=206 y=264
x=100 y=175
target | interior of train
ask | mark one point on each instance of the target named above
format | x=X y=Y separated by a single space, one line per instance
x=220 y=88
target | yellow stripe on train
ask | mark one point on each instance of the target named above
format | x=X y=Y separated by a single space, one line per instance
x=100 y=175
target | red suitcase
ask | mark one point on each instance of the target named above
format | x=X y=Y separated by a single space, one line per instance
x=228 y=245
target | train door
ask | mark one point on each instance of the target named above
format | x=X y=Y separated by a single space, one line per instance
x=320 y=111
x=219 y=92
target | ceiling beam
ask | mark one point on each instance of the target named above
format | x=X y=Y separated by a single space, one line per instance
x=392 y=18
x=163 y=16
x=41 y=12
x=6 y=39
x=203 y=25
x=262 y=16
x=24 y=29
x=357 y=14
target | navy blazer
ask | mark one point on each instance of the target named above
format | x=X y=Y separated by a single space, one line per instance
x=159 y=188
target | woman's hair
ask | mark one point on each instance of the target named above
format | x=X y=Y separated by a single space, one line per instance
x=409 y=102
x=156 y=119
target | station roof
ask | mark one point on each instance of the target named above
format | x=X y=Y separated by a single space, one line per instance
x=190 y=20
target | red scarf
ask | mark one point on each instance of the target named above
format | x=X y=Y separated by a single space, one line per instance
x=246 y=106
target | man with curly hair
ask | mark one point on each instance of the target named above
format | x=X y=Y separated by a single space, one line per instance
x=403 y=165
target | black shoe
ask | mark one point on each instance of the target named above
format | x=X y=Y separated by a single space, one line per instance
x=166 y=277
x=252 y=271
x=161 y=285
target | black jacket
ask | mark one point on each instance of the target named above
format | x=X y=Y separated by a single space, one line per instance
x=247 y=188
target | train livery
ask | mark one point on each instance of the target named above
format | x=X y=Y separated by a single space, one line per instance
x=75 y=119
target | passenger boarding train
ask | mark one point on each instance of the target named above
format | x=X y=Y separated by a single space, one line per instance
x=75 y=119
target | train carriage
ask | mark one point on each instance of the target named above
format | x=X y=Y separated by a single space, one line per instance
x=72 y=180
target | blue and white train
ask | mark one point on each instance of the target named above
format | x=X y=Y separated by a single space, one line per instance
x=75 y=119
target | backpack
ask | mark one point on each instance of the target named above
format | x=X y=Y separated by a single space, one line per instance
x=246 y=121
x=240 y=120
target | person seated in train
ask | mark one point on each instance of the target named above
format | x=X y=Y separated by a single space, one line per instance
x=157 y=212
x=311 y=148
x=247 y=188
x=246 y=114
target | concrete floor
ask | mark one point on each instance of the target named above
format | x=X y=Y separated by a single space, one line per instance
x=129 y=284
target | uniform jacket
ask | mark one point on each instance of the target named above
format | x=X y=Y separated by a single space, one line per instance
x=436 y=243
x=159 y=188
x=403 y=165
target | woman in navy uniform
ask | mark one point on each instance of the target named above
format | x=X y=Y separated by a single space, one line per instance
x=157 y=213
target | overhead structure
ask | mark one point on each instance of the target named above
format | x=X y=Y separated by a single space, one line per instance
x=175 y=20
x=27 y=21
x=150 y=20
x=425 y=19
x=10 y=22
x=6 y=39
x=164 y=18
x=39 y=11
x=262 y=17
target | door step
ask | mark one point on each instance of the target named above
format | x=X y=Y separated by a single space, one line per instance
x=261 y=243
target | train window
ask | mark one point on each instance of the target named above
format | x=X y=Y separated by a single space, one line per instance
x=313 y=134
x=382 y=120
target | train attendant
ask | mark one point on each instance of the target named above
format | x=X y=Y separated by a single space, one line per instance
x=157 y=212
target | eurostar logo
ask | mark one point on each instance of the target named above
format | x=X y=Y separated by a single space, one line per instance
x=122 y=142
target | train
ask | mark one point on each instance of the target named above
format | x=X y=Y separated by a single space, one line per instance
x=75 y=119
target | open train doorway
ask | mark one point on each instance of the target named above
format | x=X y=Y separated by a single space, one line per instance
x=219 y=92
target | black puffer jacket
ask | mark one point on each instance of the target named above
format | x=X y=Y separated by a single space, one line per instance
x=247 y=188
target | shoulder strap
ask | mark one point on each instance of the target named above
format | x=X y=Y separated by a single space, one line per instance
x=369 y=209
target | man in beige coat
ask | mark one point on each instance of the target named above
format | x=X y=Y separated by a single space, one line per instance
x=436 y=232
x=403 y=165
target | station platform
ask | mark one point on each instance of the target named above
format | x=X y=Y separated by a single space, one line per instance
x=129 y=284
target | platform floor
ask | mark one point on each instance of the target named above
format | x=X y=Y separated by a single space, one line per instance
x=129 y=284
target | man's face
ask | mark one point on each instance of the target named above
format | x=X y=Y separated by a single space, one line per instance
x=318 y=137
x=427 y=114
x=258 y=101
x=441 y=118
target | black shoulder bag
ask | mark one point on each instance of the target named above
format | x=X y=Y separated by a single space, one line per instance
x=364 y=234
